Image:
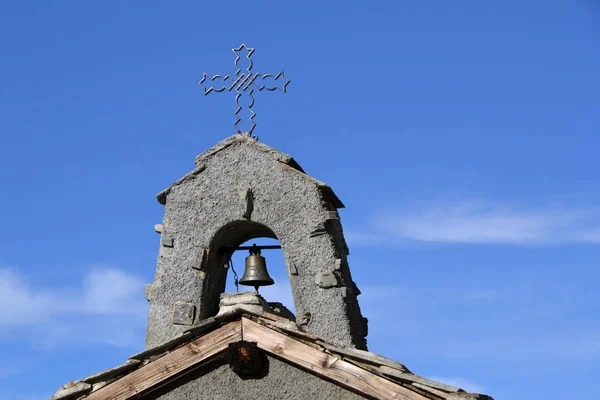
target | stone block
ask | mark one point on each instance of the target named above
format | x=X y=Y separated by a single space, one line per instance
x=226 y=311
x=200 y=259
x=230 y=299
x=167 y=241
x=318 y=231
x=159 y=228
x=293 y=268
x=305 y=319
x=326 y=280
x=147 y=291
x=331 y=215
x=338 y=264
x=184 y=313
x=344 y=291
x=247 y=199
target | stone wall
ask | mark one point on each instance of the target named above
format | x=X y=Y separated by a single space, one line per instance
x=240 y=190
x=283 y=381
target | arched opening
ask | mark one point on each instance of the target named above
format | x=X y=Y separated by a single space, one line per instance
x=219 y=278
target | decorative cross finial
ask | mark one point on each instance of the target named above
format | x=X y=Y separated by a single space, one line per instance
x=244 y=83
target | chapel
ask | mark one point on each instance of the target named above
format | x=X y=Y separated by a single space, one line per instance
x=203 y=343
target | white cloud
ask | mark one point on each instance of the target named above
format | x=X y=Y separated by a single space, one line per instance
x=543 y=324
x=459 y=382
x=108 y=308
x=280 y=292
x=111 y=291
x=481 y=222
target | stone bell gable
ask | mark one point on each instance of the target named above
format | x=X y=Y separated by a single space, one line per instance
x=242 y=189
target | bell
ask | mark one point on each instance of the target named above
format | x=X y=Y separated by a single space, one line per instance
x=256 y=273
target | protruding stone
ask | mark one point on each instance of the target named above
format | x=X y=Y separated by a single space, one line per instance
x=305 y=319
x=167 y=241
x=247 y=203
x=344 y=291
x=200 y=259
x=338 y=264
x=326 y=280
x=331 y=215
x=147 y=291
x=293 y=268
x=231 y=299
x=244 y=301
x=184 y=313
x=159 y=228
x=318 y=231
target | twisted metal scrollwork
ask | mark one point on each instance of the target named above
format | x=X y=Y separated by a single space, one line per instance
x=245 y=83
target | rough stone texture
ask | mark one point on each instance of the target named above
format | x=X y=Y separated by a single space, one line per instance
x=167 y=241
x=236 y=298
x=326 y=280
x=184 y=313
x=203 y=211
x=281 y=310
x=232 y=303
x=283 y=382
x=71 y=390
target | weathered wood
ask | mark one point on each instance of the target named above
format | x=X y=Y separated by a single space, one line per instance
x=364 y=356
x=110 y=373
x=171 y=364
x=153 y=351
x=411 y=378
x=428 y=389
x=326 y=365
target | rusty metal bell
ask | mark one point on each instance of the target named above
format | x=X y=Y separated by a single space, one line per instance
x=256 y=273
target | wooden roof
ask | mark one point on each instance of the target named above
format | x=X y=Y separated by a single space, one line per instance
x=362 y=372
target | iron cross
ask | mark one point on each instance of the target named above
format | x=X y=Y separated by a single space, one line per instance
x=245 y=82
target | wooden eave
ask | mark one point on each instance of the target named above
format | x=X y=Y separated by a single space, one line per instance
x=362 y=372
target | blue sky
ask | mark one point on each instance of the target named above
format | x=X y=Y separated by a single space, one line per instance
x=462 y=137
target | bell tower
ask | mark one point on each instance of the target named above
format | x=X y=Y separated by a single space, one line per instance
x=242 y=189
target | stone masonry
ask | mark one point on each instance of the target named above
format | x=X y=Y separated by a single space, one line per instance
x=242 y=189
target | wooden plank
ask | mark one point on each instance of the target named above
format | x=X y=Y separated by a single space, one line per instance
x=171 y=364
x=411 y=378
x=325 y=365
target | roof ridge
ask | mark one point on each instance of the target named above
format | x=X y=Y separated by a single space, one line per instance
x=371 y=363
